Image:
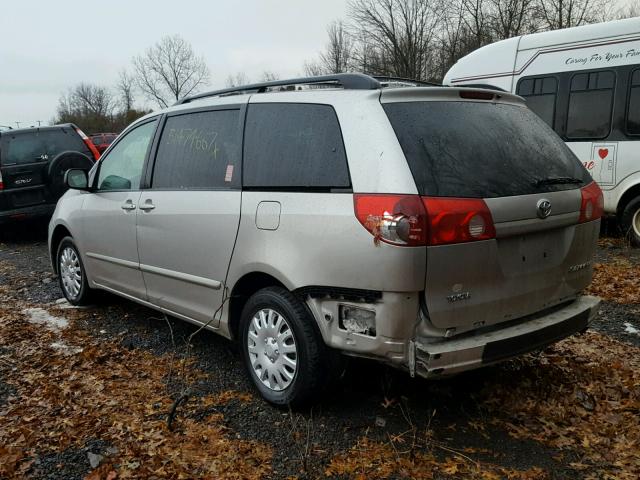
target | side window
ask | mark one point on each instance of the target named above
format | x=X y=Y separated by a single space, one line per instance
x=60 y=140
x=122 y=168
x=199 y=151
x=590 y=105
x=540 y=94
x=293 y=146
x=22 y=148
x=633 y=112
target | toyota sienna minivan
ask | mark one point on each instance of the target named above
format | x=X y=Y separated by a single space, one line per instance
x=435 y=229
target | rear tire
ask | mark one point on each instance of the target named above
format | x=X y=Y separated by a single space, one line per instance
x=72 y=276
x=630 y=221
x=283 y=352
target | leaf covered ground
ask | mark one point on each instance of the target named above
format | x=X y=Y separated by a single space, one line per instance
x=95 y=386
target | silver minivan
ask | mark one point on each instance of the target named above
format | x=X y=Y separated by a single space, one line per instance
x=435 y=229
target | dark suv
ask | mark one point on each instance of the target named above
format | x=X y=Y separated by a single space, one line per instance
x=32 y=166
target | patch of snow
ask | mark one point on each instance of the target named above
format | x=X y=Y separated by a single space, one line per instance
x=628 y=328
x=41 y=317
x=66 y=349
x=63 y=304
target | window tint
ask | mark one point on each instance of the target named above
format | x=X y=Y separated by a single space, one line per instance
x=590 y=105
x=40 y=146
x=633 y=115
x=540 y=94
x=121 y=169
x=198 y=151
x=480 y=150
x=294 y=146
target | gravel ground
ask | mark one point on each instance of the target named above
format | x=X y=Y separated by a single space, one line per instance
x=356 y=406
x=617 y=320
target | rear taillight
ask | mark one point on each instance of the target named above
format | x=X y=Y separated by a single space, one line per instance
x=458 y=220
x=1 y=183
x=410 y=220
x=592 y=206
x=394 y=219
x=92 y=148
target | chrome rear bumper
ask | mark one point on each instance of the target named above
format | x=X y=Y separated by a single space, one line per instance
x=433 y=358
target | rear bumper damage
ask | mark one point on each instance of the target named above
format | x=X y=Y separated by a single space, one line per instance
x=429 y=357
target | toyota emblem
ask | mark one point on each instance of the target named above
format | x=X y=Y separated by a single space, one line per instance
x=544 y=208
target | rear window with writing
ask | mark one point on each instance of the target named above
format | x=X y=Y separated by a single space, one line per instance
x=198 y=151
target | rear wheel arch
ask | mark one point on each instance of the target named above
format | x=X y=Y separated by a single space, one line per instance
x=246 y=286
x=631 y=193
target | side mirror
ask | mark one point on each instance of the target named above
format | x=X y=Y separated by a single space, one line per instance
x=77 y=179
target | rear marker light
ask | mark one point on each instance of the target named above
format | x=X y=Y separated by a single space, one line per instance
x=592 y=206
x=1 y=183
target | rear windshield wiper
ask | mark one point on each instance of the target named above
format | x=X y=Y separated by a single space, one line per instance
x=557 y=181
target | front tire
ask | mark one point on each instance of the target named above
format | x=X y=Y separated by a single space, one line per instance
x=630 y=221
x=283 y=352
x=72 y=276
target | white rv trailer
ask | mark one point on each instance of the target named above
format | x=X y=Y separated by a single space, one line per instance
x=585 y=83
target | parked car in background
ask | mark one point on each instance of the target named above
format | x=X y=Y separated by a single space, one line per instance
x=103 y=140
x=435 y=229
x=32 y=166
x=584 y=82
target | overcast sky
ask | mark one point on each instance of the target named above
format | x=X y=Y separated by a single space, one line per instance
x=48 y=46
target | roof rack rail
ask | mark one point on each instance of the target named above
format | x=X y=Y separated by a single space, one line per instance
x=384 y=78
x=349 y=81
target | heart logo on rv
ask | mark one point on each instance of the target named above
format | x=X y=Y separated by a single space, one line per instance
x=603 y=152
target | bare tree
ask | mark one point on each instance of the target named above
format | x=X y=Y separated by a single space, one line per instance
x=88 y=105
x=511 y=18
x=269 y=76
x=313 y=69
x=237 y=80
x=125 y=88
x=557 y=14
x=88 y=99
x=453 y=40
x=395 y=35
x=630 y=10
x=337 y=55
x=475 y=15
x=170 y=70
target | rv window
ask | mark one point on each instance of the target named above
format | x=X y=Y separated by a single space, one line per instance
x=633 y=115
x=590 y=105
x=540 y=94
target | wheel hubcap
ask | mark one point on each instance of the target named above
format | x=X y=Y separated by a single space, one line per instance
x=272 y=349
x=635 y=223
x=70 y=272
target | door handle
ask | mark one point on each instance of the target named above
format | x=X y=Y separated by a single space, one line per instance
x=128 y=205
x=147 y=206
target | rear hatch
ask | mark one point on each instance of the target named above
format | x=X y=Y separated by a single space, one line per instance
x=24 y=160
x=495 y=169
